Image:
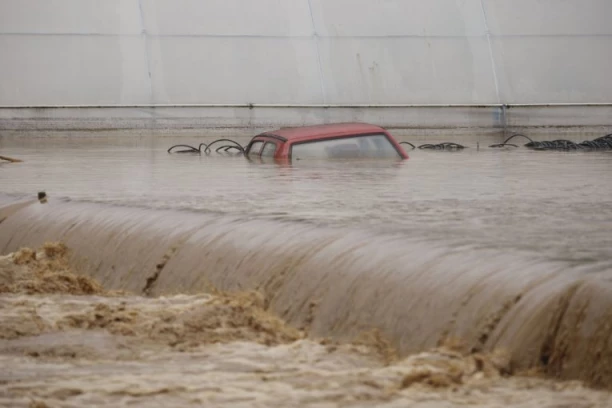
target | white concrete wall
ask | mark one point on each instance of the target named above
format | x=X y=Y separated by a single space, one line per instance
x=118 y=52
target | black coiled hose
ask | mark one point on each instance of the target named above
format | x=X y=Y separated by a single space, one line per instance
x=408 y=143
x=189 y=149
x=439 y=146
x=207 y=150
x=442 y=146
x=225 y=148
x=505 y=142
x=601 y=143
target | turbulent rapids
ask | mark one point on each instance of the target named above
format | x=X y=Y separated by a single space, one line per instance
x=65 y=340
x=338 y=283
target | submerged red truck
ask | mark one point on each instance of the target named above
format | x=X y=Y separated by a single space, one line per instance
x=340 y=140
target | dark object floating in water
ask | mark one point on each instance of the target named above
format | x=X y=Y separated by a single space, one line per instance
x=207 y=150
x=601 y=143
x=505 y=142
x=439 y=146
x=442 y=146
x=10 y=159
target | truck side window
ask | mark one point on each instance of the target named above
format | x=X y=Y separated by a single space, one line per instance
x=269 y=149
x=255 y=148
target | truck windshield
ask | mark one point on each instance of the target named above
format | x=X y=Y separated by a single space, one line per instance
x=359 y=146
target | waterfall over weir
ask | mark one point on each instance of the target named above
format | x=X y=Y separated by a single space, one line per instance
x=339 y=282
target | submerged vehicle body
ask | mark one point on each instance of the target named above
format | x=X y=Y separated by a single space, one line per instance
x=340 y=140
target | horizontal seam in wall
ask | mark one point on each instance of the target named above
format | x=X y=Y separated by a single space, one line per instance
x=290 y=37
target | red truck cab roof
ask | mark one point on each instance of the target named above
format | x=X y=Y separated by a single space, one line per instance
x=279 y=143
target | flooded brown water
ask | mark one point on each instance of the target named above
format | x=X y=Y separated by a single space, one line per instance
x=550 y=203
x=65 y=342
x=506 y=250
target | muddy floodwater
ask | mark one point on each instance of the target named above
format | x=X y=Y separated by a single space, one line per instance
x=480 y=277
x=554 y=204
